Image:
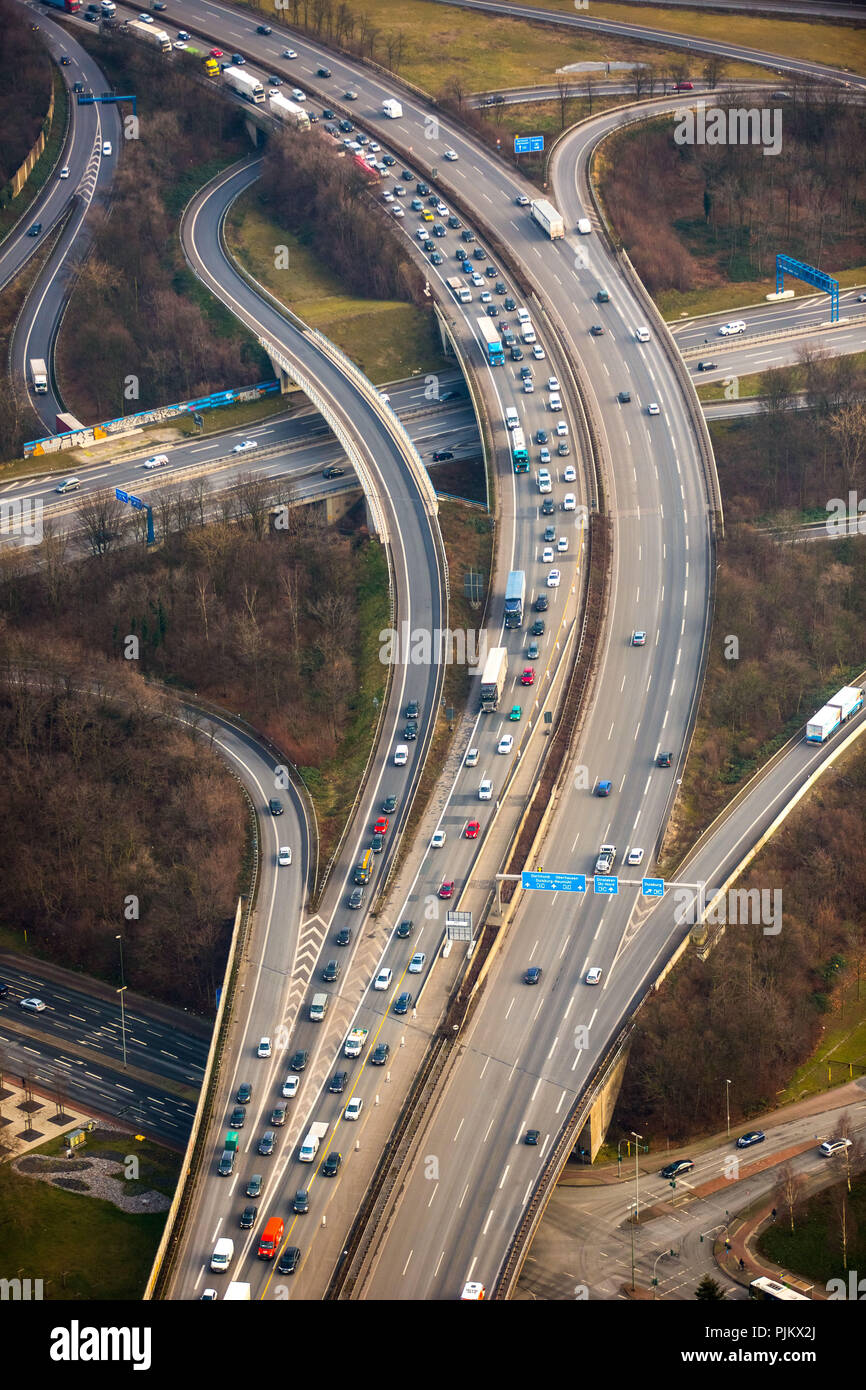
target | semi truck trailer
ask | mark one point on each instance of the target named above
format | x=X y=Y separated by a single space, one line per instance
x=548 y=219
x=493 y=678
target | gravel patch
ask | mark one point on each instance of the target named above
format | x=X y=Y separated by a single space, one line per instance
x=104 y=1179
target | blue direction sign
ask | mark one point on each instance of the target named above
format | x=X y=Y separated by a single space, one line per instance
x=130 y=498
x=606 y=883
x=121 y=495
x=555 y=883
x=528 y=144
x=653 y=887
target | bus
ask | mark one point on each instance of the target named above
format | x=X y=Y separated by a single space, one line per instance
x=371 y=174
x=519 y=452
x=492 y=346
x=764 y=1288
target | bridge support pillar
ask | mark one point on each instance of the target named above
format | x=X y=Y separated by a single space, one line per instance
x=592 y=1135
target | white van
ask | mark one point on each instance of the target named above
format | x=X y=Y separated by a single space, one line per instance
x=512 y=419
x=222 y=1255
x=401 y=755
x=523 y=316
x=584 y=226
x=544 y=483
x=527 y=333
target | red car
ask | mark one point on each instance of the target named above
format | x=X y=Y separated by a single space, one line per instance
x=684 y=86
x=528 y=677
x=217 y=53
x=381 y=826
x=447 y=889
x=472 y=829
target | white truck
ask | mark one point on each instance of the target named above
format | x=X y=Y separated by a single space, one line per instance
x=39 y=375
x=237 y=1292
x=832 y=716
x=584 y=226
x=548 y=219
x=310 y=1146
x=222 y=1255
x=318 y=1007
x=493 y=678
x=459 y=290
x=246 y=86
x=392 y=108
x=289 y=112
x=355 y=1042
x=156 y=38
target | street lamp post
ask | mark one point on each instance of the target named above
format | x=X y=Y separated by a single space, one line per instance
x=121 y=992
x=637 y=1138
x=728 y=1104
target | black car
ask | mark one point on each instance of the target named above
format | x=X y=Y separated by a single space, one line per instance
x=78 y=86
x=275 y=806
x=274 y=81
x=422 y=189
x=479 y=253
x=389 y=160
x=452 y=395
x=461 y=255
x=433 y=200
x=356 y=899
x=438 y=229
x=491 y=272
x=412 y=710
x=428 y=246
x=323 y=72
x=346 y=127
x=64 y=61
x=267 y=1143
x=331 y=1165
x=263 y=28
x=4 y=991
x=404 y=929
x=537 y=629
x=338 y=1082
x=664 y=759
x=754 y=1136
x=549 y=534
x=298 y=1060
x=377 y=844
x=35 y=229
x=408 y=176
x=499 y=287
x=436 y=257
x=245 y=1094
x=706 y=366
x=624 y=397
x=334 y=471
x=673 y=1170
x=301 y=1204
x=597 y=330
x=467 y=234
x=403 y=1003
x=603 y=297
x=410 y=731
x=389 y=805
x=541 y=436
x=510 y=305
x=442 y=454
x=350 y=95
x=492 y=311
x=381 y=1053
x=516 y=354
x=532 y=1136
x=254 y=1186
x=278 y=1116
x=238 y=59
x=237 y=1117
x=248 y=1218
x=547 y=509
x=453 y=222
x=327 y=113
x=533 y=975
x=343 y=937
x=289 y=1260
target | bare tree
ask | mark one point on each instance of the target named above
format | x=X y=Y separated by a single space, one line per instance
x=714 y=71
x=789 y=1191
x=102 y=520
x=565 y=93
x=848 y=428
x=252 y=499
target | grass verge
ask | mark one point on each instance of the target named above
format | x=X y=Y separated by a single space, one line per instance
x=814 y=1247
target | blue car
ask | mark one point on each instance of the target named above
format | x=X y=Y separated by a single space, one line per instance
x=603 y=789
x=754 y=1136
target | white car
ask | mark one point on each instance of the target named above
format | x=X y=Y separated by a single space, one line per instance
x=421 y=234
x=157 y=461
x=383 y=979
x=485 y=791
x=289 y=53
x=401 y=755
x=441 y=209
x=438 y=839
x=569 y=475
x=34 y=1006
x=264 y=1048
x=64 y=172
x=561 y=427
x=486 y=297
x=476 y=279
x=471 y=759
x=538 y=352
x=145 y=18
x=554 y=403
x=593 y=976
x=528 y=386
x=353 y=1109
x=562 y=544
x=284 y=856
x=553 y=579
x=653 y=409
x=505 y=744
x=642 y=335
x=106 y=147
x=416 y=964
x=547 y=555
x=397 y=211
x=375 y=147
x=635 y=856
x=451 y=155
x=544 y=483
x=568 y=502
x=834 y=1146
x=179 y=44
x=244 y=445
x=387 y=197
x=290 y=1086
x=552 y=383
x=638 y=637
x=735 y=326
x=298 y=94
